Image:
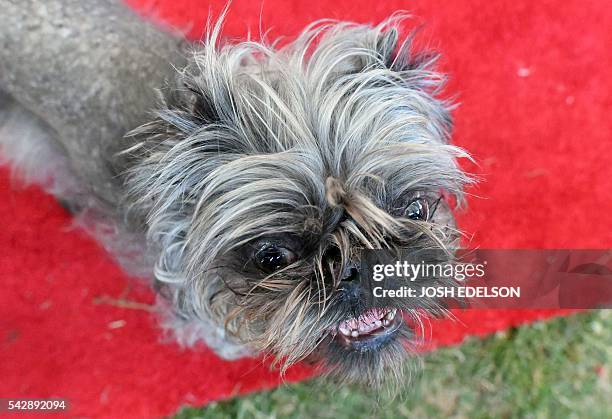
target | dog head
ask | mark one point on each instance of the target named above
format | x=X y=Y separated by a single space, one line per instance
x=266 y=172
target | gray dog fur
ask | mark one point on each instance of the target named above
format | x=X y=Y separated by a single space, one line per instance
x=187 y=161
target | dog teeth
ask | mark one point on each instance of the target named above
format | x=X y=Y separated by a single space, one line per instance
x=367 y=323
x=344 y=331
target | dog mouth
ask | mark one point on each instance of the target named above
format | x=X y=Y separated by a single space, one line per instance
x=370 y=330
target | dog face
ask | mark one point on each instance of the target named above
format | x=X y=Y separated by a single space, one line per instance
x=265 y=174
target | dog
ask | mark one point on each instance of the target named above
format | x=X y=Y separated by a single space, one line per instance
x=245 y=179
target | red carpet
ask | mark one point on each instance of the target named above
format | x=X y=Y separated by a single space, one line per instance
x=534 y=82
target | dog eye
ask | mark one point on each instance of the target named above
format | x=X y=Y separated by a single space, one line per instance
x=272 y=257
x=417 y=210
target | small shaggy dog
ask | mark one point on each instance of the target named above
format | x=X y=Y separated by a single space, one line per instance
x=244 y=178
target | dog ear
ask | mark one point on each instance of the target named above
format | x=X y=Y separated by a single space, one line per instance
x=404 y=57
x=415 y=66
x=369 y=48
x=196 y=102
x=386 y=45
x=203 y=108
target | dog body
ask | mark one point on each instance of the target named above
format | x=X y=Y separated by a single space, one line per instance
x=249 y=185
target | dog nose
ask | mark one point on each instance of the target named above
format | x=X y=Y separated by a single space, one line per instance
x=350 y=286
x=350 y=273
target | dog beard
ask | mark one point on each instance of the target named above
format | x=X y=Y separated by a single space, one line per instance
x=265 y=173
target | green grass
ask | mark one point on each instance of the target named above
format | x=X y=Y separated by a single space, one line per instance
x=555 y=369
